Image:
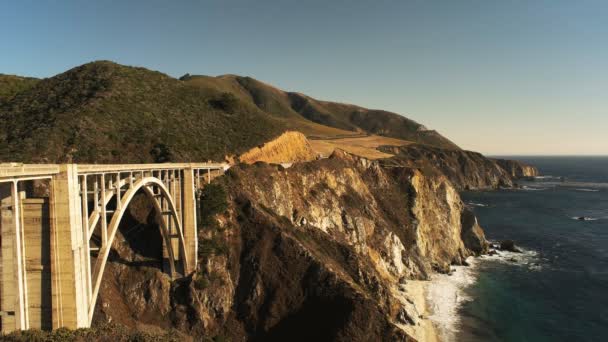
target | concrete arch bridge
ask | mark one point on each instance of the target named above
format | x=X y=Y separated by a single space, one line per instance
x=57 y=225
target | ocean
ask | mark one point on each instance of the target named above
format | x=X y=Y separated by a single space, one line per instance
x=557 y=289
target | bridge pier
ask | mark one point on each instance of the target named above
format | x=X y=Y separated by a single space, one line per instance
x=13 y=296
x=189 y=219
x=68 y=267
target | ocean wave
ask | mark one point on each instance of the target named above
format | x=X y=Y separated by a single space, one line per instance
x=584 y=218
x=530 y=188
x=476 y=204
x=579 y=186
x=525 y=258
x=588 y=190
x=446 y=293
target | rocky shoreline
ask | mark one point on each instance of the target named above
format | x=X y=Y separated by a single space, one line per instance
x=438 y=300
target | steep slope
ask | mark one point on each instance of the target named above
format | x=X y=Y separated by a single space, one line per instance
x=327 y=244
x=346 y=117
x=105 y=112
x=267 y=98
x=371 y=121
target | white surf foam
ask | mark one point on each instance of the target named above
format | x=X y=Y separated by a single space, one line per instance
x=477 y=204
x=530 y=188
x=445 y=295
x=526 y=258
x=584 y=218
x=588 y=190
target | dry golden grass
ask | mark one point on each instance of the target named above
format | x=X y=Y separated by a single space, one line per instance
x=290 y=147
x=361 y=146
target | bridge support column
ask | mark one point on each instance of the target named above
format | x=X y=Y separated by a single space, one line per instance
x=13 y=291
x=68 y=255
x=189 y=219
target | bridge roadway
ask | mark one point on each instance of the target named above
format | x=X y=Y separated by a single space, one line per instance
x=57 y=224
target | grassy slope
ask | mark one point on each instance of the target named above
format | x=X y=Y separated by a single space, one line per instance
x=321 y=118
x=267 y=99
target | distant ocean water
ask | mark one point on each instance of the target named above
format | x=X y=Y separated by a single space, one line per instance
x=558 y=289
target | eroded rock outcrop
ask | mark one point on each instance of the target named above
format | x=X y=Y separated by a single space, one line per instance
x=517 y=169
x=466 y=170
x=472 y=235
x=326 y=244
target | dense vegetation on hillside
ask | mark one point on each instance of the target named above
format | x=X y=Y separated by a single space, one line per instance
x=11 y=85
x=105 y=112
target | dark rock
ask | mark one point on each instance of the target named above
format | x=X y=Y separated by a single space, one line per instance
x=509 y=245
x=404 y=317
x=472 y=235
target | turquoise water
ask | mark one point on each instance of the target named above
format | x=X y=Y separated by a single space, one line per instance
x=558 y=291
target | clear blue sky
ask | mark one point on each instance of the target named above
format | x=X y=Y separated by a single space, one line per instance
x=500 y=77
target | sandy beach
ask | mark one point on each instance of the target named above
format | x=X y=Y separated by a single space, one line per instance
x=424 y=330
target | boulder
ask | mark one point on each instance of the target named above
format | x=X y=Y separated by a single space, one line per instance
x=509 y=245
x=472 y=235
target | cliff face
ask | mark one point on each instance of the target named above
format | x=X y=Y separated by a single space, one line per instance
x=465 y=169
x=517 y=169
x=326 y=244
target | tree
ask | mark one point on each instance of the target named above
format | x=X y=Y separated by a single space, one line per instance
x=161 y=153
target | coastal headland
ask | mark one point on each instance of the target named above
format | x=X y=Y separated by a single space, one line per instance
x=330 y=216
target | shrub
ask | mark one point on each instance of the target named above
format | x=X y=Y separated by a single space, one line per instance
x=161 y=153
x=200 y=282
x=213 y=201
x=226 y=102
x=210 y=247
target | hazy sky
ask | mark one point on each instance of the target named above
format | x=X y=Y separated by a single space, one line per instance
x=499 y=77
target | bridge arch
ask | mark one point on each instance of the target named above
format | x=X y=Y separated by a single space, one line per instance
x=155 y=190
x=81 y=200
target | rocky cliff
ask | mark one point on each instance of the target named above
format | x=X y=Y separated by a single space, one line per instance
x=517 y=169
x=465 y=169
x=318 y=251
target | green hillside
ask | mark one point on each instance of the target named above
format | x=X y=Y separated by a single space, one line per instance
x=11 y=85
x=347 y=117
x=105 y=112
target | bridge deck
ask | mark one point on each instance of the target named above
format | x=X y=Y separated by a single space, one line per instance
x=11 y=171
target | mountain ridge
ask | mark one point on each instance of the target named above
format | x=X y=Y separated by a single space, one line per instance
x=102 y=112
